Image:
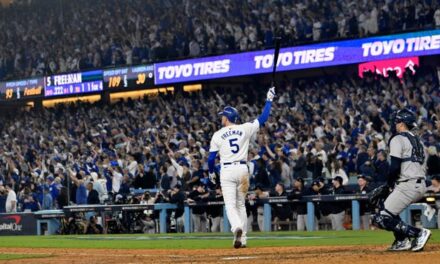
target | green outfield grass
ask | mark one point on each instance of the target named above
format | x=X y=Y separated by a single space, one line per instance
x=21 y=256
x=199 y=241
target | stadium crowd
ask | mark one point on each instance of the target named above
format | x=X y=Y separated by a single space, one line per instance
x=321 y=132
x=53 y=36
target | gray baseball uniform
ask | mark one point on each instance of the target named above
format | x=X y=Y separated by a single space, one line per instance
x=410 y=187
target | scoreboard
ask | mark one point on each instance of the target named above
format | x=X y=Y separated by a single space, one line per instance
x=129 y=77
x=73 y=83
x=78 y=83
x=21 y=89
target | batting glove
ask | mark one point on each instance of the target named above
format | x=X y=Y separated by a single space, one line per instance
x=270 y=94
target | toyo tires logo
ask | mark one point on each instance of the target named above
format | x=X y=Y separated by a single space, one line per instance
x=11 y=226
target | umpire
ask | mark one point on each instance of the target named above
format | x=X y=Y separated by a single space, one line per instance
x=406 y=179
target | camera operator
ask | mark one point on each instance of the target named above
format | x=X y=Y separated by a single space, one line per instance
x=93 y=227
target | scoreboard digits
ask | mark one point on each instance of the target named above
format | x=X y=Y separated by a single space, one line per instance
x=14 y=90
x=114 y=81
x=9 y=93
x=141 y=78
x=129 y=77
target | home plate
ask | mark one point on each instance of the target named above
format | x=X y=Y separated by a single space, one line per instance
x=239 y=258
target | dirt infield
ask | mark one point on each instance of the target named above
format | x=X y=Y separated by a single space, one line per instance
x=300 y=255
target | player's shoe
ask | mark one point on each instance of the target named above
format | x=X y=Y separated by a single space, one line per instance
x=402 y=245
x=420 y=241
x=237 y=238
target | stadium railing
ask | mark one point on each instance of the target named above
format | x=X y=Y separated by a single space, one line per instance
x=49 y=217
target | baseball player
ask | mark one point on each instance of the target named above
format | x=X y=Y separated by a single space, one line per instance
x=407 y=180
x=232 y=143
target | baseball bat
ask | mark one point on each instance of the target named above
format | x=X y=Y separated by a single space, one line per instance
x=275 y=58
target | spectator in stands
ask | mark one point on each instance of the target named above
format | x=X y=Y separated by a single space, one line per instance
x=182 y=170
x=368 y=169
x=144 y=178
x=3 y=196
x=81 y=191
x=261 y=176
x=316 y=165
x=100 y=185
x=62 y=198
x=362 y=155
x=11 y=199
x=47 y=199
x=286 y=173
x=365 y=212
x=381 y=167
x=124 y=189
x=196 y=174
x=165 y=179
x=29 y=204
x=274 y=168
x=53 y=188
x=437 y=17
x=93 y=228
x=300 y=167
x=319 y=151
x=116 y=176
x=433 y=162
x=93 y=195
x=337 y=214
x=337 y=170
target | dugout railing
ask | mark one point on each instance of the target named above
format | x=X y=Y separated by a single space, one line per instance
x=50 y=218
x=266 y=203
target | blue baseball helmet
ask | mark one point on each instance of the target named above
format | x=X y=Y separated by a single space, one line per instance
x=231 y=114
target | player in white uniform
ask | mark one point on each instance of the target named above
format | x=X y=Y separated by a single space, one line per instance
x=232 y=143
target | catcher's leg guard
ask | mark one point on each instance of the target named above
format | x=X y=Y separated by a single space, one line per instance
x=386 y=220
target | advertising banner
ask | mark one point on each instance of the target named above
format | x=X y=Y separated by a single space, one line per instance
x=382 y=67
x=302 y=57
x=18 y=224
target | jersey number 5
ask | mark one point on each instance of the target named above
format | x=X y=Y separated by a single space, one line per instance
x=234 y=146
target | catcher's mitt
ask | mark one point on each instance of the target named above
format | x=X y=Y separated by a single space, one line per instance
x=379 y=194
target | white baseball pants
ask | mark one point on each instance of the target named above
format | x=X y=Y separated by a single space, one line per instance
x=234 y=180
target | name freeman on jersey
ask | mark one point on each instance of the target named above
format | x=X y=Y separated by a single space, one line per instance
x=232 y=133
